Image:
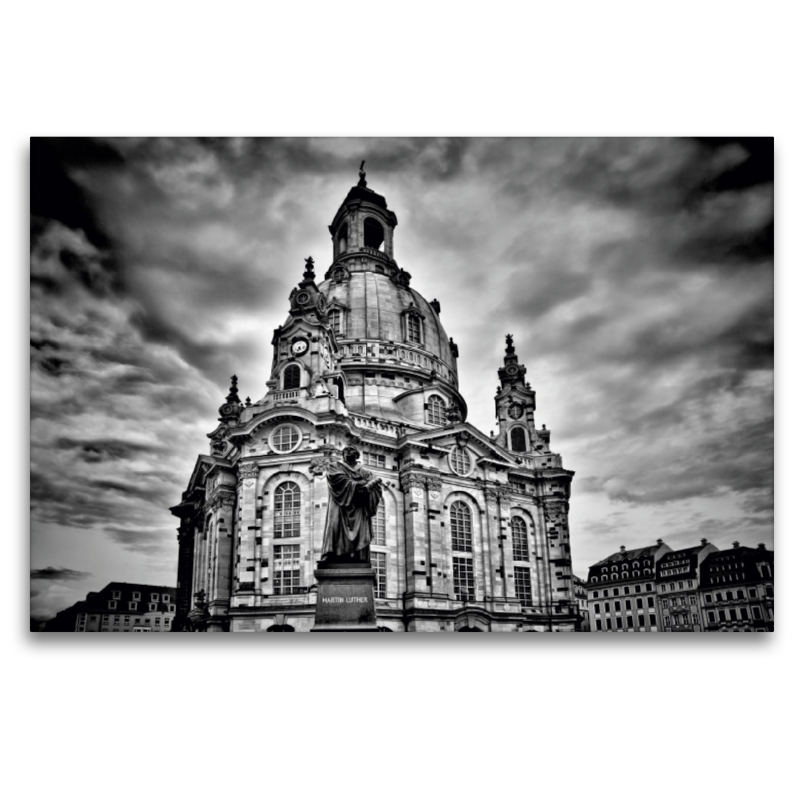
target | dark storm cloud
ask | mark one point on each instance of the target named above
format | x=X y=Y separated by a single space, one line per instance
x=58 y=574
x=105 y=449
x=142 y=540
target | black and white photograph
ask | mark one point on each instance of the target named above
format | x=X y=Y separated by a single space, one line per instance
x=497 y=385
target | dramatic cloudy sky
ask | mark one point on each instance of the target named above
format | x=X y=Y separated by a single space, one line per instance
x=636 y=275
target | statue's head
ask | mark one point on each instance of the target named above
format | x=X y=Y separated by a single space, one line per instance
x=351 y=454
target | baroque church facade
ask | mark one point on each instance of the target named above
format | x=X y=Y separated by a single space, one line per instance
x=472 y=533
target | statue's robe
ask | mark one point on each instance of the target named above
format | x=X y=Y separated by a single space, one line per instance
x=351 y=507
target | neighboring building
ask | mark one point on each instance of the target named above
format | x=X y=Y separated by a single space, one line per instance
x=472 y=533
x=622 y=590
x=582 y=598
x=678 y=586
x=120 y=608
x=736 y=588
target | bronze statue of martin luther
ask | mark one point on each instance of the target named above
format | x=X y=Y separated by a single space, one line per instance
x=354 y=495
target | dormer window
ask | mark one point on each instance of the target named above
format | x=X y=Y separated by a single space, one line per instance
x=373 y=234
x=413 y=329
x=435 y=412
x=336 y=321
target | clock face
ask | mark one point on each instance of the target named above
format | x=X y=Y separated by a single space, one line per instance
x=299 y=347
x=515 y=411
x=511 y=369
x=303 y=298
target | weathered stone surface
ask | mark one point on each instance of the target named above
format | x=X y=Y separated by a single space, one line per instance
x=345 y=599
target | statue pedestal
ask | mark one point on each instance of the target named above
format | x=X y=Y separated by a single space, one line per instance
x=345 y=598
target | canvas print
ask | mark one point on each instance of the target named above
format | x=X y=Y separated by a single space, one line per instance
x=402 y=385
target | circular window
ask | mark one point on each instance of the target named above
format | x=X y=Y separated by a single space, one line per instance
x=302 y=298
x=460 y=460
x=285 y=438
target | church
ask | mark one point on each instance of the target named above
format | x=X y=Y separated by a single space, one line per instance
x=472 y=531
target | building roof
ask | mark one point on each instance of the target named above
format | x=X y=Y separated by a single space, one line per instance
x=630 y=555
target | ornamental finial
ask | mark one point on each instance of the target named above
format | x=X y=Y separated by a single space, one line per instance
x=509 y=343
x=362 y=175
x=233 y=394
x=309 y=273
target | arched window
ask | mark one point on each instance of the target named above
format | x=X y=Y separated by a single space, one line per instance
x=461 y=527
x=291 y=377
x=436 y=411
x=342 y=239
x=519 y=539
x=379 y=525
x=373 y=233
x=518 y=444
x=287 y=511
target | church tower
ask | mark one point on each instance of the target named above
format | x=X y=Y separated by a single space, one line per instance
x=472 y=531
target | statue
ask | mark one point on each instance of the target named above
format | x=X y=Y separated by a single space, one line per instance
x=354 y=495
x=197 y=619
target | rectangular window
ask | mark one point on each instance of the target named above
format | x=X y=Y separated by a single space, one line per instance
x=680 y=584
x=619 y=623
x=695 y=619
x=379 y=565
x=522 y=580
x=116 y=595
x=651 y=602
x=374 y=460
x=152 y=606
x=641 y=620
x=132 y=605
x=756 y=612
x=154 y=598
x=112 y=604
x=137 y=595
x=768 y=590
x=666 y=620
x=608 y=608
x=649 y=587
x=653 y=620
x=627 y=605
x=711 y=617
x=616 y=592
x=617 y=606
x=414 y=333
x=286 y=569
x=722 y=616
x=639 y=603
x=597 y=608
x=752 y=591
x=690 y=584
x=743 y=613
x=627 y=590
x=463 y=579
x=379 y=525
x=335 y=321
x=605 y=592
